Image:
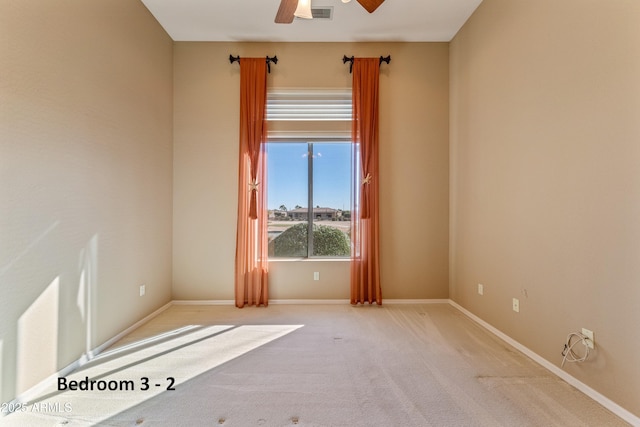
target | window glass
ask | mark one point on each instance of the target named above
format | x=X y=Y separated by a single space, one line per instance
x=309 y=193
x=287 y=197
x=331 y=198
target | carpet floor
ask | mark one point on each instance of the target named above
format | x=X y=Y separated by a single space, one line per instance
x=314 y=365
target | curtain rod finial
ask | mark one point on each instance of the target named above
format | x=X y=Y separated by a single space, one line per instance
x=346 y=59
x=269 y=61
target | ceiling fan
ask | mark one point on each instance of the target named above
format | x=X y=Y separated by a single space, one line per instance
x=288 y=9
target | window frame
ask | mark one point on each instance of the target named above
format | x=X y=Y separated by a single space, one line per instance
x=310 y=141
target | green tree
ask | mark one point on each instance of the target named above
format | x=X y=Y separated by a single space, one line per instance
x=327 y=241
x=292 y=242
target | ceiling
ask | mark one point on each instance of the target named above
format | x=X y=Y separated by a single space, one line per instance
x=252 y=20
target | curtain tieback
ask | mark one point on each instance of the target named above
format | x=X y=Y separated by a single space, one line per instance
x=367 y=179
x=253 y=185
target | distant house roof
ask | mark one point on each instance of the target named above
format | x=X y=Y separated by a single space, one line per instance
x=315 y=210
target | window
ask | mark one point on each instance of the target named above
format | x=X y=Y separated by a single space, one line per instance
x=309 y=172
x=309 y=197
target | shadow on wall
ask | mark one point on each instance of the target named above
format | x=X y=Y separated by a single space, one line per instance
x=46 y=310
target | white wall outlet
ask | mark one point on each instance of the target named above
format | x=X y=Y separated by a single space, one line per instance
x=316 y=275
x=516 y=305
x=480 y=289
x=142 y=290
x=589 y=337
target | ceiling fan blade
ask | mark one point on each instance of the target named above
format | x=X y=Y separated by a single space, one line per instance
x=370 y=5
x=286 y=11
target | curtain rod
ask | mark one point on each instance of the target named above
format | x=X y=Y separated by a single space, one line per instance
x=346 y=59
x=274 y=59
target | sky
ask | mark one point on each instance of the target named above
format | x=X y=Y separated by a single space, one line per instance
x=287 y=166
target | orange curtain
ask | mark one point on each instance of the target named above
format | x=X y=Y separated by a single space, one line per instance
x=365 y=250
x=251 y=269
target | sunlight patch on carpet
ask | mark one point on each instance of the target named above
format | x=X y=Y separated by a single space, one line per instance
x=126 y=377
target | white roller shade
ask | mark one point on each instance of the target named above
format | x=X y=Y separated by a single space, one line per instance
x=309 y=104
x=314 y=113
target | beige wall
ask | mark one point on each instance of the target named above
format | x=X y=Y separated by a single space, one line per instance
x=544 y=100
x=545 y=187
x=86 y=173
x=414 y=166
x=106 y=126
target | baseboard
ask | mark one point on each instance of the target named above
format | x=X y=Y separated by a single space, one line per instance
x=346 y=301
x=271 y=302
x=37 y=390
x=415 y=301
x=95 y=352
x=593 y=394
x=311 y=301
x=204 y=302
x=308 y=301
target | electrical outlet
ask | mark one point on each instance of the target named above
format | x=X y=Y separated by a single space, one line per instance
x=589 y=336
x=142 y=290
x=480 y=289
x=316 y=275
x=516 y=305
